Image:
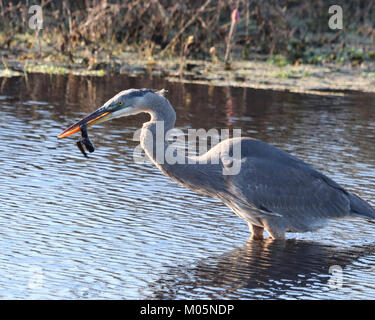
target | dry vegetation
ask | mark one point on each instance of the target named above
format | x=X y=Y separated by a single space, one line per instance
x=273 y=44
x=296 y=29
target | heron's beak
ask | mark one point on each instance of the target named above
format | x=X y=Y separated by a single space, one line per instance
x=100 y=115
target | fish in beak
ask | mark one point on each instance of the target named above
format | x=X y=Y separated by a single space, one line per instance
x=97 y=116
x=100 y=115
x=126 y=103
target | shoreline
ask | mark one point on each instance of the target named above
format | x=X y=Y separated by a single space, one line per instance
x=326 y=79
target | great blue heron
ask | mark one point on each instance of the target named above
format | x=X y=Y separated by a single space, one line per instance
x=273 y=190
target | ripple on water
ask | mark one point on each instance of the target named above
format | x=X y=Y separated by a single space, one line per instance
x=106 y=227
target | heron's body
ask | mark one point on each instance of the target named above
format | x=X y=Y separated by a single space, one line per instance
x=273 y=190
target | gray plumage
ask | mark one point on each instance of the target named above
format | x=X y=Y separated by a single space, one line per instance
x=274 y=190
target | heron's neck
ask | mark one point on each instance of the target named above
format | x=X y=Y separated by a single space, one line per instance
x=163 y=118
x=162 y=110
x=197 y=177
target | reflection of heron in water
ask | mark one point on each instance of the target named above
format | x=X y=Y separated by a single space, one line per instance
x=263 y=269
x=273 y=189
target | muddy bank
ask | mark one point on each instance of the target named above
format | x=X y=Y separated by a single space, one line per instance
x=329 y=78
x=282 y=45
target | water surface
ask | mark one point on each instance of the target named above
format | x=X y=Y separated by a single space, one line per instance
x=106 y=227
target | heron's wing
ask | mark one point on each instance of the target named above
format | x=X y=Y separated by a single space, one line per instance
x=289 y=188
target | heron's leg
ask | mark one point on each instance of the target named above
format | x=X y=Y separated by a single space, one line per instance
x=274 y=230
x=256 y=232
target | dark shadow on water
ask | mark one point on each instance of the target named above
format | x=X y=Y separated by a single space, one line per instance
x=260 y=269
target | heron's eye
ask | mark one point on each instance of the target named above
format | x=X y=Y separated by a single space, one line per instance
x=120 y=103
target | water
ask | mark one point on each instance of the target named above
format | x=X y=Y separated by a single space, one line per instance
x=106 y=227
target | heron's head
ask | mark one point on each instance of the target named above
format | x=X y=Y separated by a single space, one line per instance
x=126 y=103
